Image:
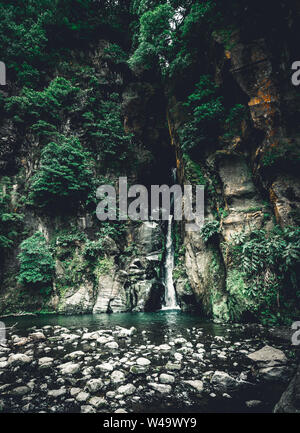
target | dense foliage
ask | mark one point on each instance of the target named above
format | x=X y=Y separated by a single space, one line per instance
x=36 y=263
x=64 y=176
x=269 y=265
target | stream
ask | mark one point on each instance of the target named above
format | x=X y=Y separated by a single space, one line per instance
x=167 y=361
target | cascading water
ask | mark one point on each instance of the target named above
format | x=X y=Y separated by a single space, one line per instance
x=170 y=294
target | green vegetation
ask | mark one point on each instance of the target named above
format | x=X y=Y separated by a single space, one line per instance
x=36 y=264
x=10 y=219
x=282 y=154
x=269 y=275
x=210 y=230
x=63 y=177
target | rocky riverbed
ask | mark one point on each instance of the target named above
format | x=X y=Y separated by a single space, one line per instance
x=59 y=369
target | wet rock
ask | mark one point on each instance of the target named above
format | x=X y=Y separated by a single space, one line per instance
x=86 y=408
x=117 y=377
x=274 y=374
x=45 y=362
x=164 y=348
x=268 y=355
x=112 y=345
x=138 y=369
x=82 y=397
x=222 y=382
x=55 y=393
x=69 y=368
x=173 y=366
x=21 y=390
x=74 y=391
x=143 y=362
x=37 y=336
x=105 y=367
x=195 y=384
x=74 y=355
x=161 y=388
x=97 y=402
x=18 y=359
x=94 y=385
x=127 y=389
x=290 y=399
x=166 y=378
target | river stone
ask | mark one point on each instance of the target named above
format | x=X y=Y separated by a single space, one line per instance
x=94 y=385
x=124 y=332
x=69 y=368
x=18 y=359
x=55 y=393
x=127 y=389
x=45 y=362
x=37 y=336
x=268 y=355
x=138 y=369
x=222 y=382
x=180 y=341
x=117 y=376
x=173 y=366
x=97 y=402
x=166 y=378
x=143 y=362
x=112 y=345
x=74 y=355
x=82 y=396
x=164 y=348
x=74 y=391
x=86 y=408
x=21 y=390
x=195 y=384
x=104 y=340
x=162 y=389
x=105 y=367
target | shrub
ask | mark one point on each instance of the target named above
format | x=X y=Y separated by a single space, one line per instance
x=42 y=110
x=269 y=263
x=64 y=175
x=36 y=263
x=210 y=230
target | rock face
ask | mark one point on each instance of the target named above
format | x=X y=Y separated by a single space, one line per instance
x=250 y=172
x=290 y=399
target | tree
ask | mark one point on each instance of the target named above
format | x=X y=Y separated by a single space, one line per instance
x=63 y=179
x=36 y=263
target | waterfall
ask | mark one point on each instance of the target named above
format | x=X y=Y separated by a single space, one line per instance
x=170 y=294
